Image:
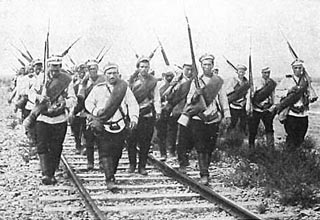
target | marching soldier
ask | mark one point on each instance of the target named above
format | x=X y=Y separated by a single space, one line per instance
x=112 y=94
x=51 y=124
x=237 y=90
x=183 y=134
x=162 y=124
x=205 y=125
x=294 y=105
x=262 y=107
x=78 y=122
x=146 y=91
x=85 y=88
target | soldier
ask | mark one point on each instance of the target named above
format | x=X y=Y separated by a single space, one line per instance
x=78 y=122
x=204 y=125
x=262 y=107
x=114 y=92
x=237 y=90
x=162 y=124
x=176 y=131
x=146 y=91
x=51 y=124
x=294 y=105
x=85 y=88
x=31 y=83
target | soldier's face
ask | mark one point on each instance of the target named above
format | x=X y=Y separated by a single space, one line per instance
x=241 y=73
x=112 y=75
x=93 y=71
x=169 y=78
x=297 y=70
x=38 y=69
x=207 y=66
x=265 y=75
x=81 y=74
x=187 y=71
x=144 y=68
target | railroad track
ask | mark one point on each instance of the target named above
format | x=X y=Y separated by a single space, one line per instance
x=163 y=194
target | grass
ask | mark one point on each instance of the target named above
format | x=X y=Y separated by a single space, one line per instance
x=292 y=177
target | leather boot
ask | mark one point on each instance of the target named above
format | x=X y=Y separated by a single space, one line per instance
x=90 y=158
x=46 y=179
x=203 y=165
x=142 y=164
x=108 y=172
x=270 y=139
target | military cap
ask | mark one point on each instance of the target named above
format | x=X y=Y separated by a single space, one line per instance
x=265 y=69
x=55 y=60
x=92 y=63
x=110 y=65
x=297 y=62
x=142 y=59
x=241 y=67
x=206 y=56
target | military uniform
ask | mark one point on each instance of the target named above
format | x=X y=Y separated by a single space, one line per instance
x=111 y=140
x=238 y=107
x=51 y=129
x=296 y=114
x=149 y=102
x=262 y=111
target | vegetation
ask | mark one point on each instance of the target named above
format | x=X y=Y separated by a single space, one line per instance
x=292 y=177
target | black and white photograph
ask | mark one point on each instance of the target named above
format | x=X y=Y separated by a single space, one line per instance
x=159 y=109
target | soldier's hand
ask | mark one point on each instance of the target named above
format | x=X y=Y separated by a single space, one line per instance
x=132 y=125
x=43 y=99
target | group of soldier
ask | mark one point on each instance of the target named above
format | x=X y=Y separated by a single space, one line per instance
x=187 y=110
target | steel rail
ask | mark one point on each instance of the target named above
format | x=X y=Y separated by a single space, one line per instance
x=91 y=205
x=204 y=191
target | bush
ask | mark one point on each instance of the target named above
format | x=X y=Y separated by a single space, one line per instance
x=292 y=176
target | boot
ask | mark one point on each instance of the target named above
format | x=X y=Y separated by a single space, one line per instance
x=46 y=179
x=90 y=158
x=203 y=166
x=131 y=168
x=270 y=139
x=108 y=172
x=142 y=164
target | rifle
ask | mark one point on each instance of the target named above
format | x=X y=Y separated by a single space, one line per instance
x=231 y=64
x=23 y=54
x=153 y=52
x=250 y=83
x=199 y=99
x=67 y=50
x=27 y=50
x=164 y=55
x=104 y=54
x=135 y=52
x=100 y=52
x=72 y=61
x=313 y=94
